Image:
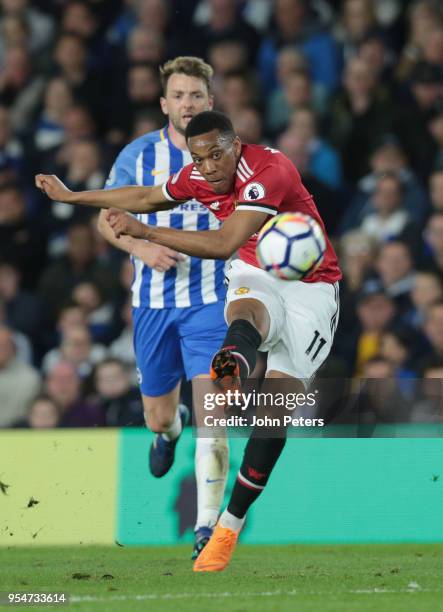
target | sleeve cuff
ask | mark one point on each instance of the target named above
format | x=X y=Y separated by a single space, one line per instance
x=264 y=208
x=166 y=193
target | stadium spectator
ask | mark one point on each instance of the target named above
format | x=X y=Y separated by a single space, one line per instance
x=382 y=399
x=299 y=152
x=63 y=386
x=43 y=413
x=21 y=88
x=387 y=157
x=23 y=309
x=248 y=124
x=49 y=128
x=22 y=241
x=291 y=61
x=433 y=329
x=140 y=96
x=360 y=114
x=228 y=56
x=435 y=125
x=395 y=268
x=84 y=169
x=400 y=346
x=23 y=346
x=117 y=397
x=411 y=120
x=76 y=266
x=224 y=23
x=424 y=16
x=358 y=21
x=123 y=346
x=78 y=17
x=99 y=312
x=374 y=51
x=293 y=25
x=324 y=162
x=76 y=348
x=70 y=56
x=375 y=312
x=433 y=237
x=145 y=45
x=40 y=26
x=19 y=382
x=427 y=289
x=357 y=253
x=436 y=189
x=296 y=92
x=429 y=408
x=11 y=150
x=236 y=91
x=390 y=219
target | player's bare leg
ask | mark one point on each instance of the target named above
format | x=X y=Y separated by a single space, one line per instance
x=249 y=323
x=211 y=469
x=261 y=454
x=165 y=417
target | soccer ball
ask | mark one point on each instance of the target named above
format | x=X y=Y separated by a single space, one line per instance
x=290 y=246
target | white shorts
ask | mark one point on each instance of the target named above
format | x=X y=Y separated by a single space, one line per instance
x=303 y=317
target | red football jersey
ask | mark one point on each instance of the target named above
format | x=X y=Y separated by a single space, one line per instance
x=266 y=181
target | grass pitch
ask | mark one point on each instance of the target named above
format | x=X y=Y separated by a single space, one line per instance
x=260 y=578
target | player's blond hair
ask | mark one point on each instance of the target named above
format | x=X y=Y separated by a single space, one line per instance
x=189 y=65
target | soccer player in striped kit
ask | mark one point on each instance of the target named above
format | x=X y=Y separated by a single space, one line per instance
x=177 y=300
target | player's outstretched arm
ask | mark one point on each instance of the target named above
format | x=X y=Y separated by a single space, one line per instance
x=153 y=255
x=209 y=244
x=132 y=199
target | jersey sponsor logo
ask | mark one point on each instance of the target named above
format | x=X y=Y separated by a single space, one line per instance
x=192 y=206
x=215 y=206
x=176 y=176
x=156 y=172
x=242 y=290
x=254 y=191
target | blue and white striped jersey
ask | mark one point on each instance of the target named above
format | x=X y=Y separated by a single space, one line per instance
x=150 y=160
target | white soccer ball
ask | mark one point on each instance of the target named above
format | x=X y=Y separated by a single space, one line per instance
x=290 y=246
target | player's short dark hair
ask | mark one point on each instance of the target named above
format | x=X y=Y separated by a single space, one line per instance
x=207 y=121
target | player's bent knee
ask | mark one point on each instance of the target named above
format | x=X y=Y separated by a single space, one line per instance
x=158 y=423
x=159 y=412
x=250 y=310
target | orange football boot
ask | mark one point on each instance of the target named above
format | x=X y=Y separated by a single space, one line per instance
x=218 y=551
x=225 y=372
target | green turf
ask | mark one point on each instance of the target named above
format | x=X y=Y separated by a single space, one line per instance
x=397 y=578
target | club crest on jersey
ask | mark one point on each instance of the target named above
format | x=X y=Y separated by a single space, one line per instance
x=214 y=206
x=254 y=191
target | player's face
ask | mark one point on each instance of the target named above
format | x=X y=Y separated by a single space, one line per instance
x=216 y=159
x=185 y=97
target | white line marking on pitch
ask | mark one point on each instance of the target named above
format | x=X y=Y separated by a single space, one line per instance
x=154 y=596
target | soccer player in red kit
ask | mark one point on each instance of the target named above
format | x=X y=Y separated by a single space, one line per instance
x=294 y=321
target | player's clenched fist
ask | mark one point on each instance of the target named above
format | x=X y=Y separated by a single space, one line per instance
x=53 y=187
x=122 y=223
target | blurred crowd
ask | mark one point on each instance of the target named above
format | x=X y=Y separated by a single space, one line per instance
x=350 y=90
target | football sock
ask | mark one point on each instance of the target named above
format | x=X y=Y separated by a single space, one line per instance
x=174 y=430
x=260 y=456
x=230 y=521
x=211 y=470
x=243 y=341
